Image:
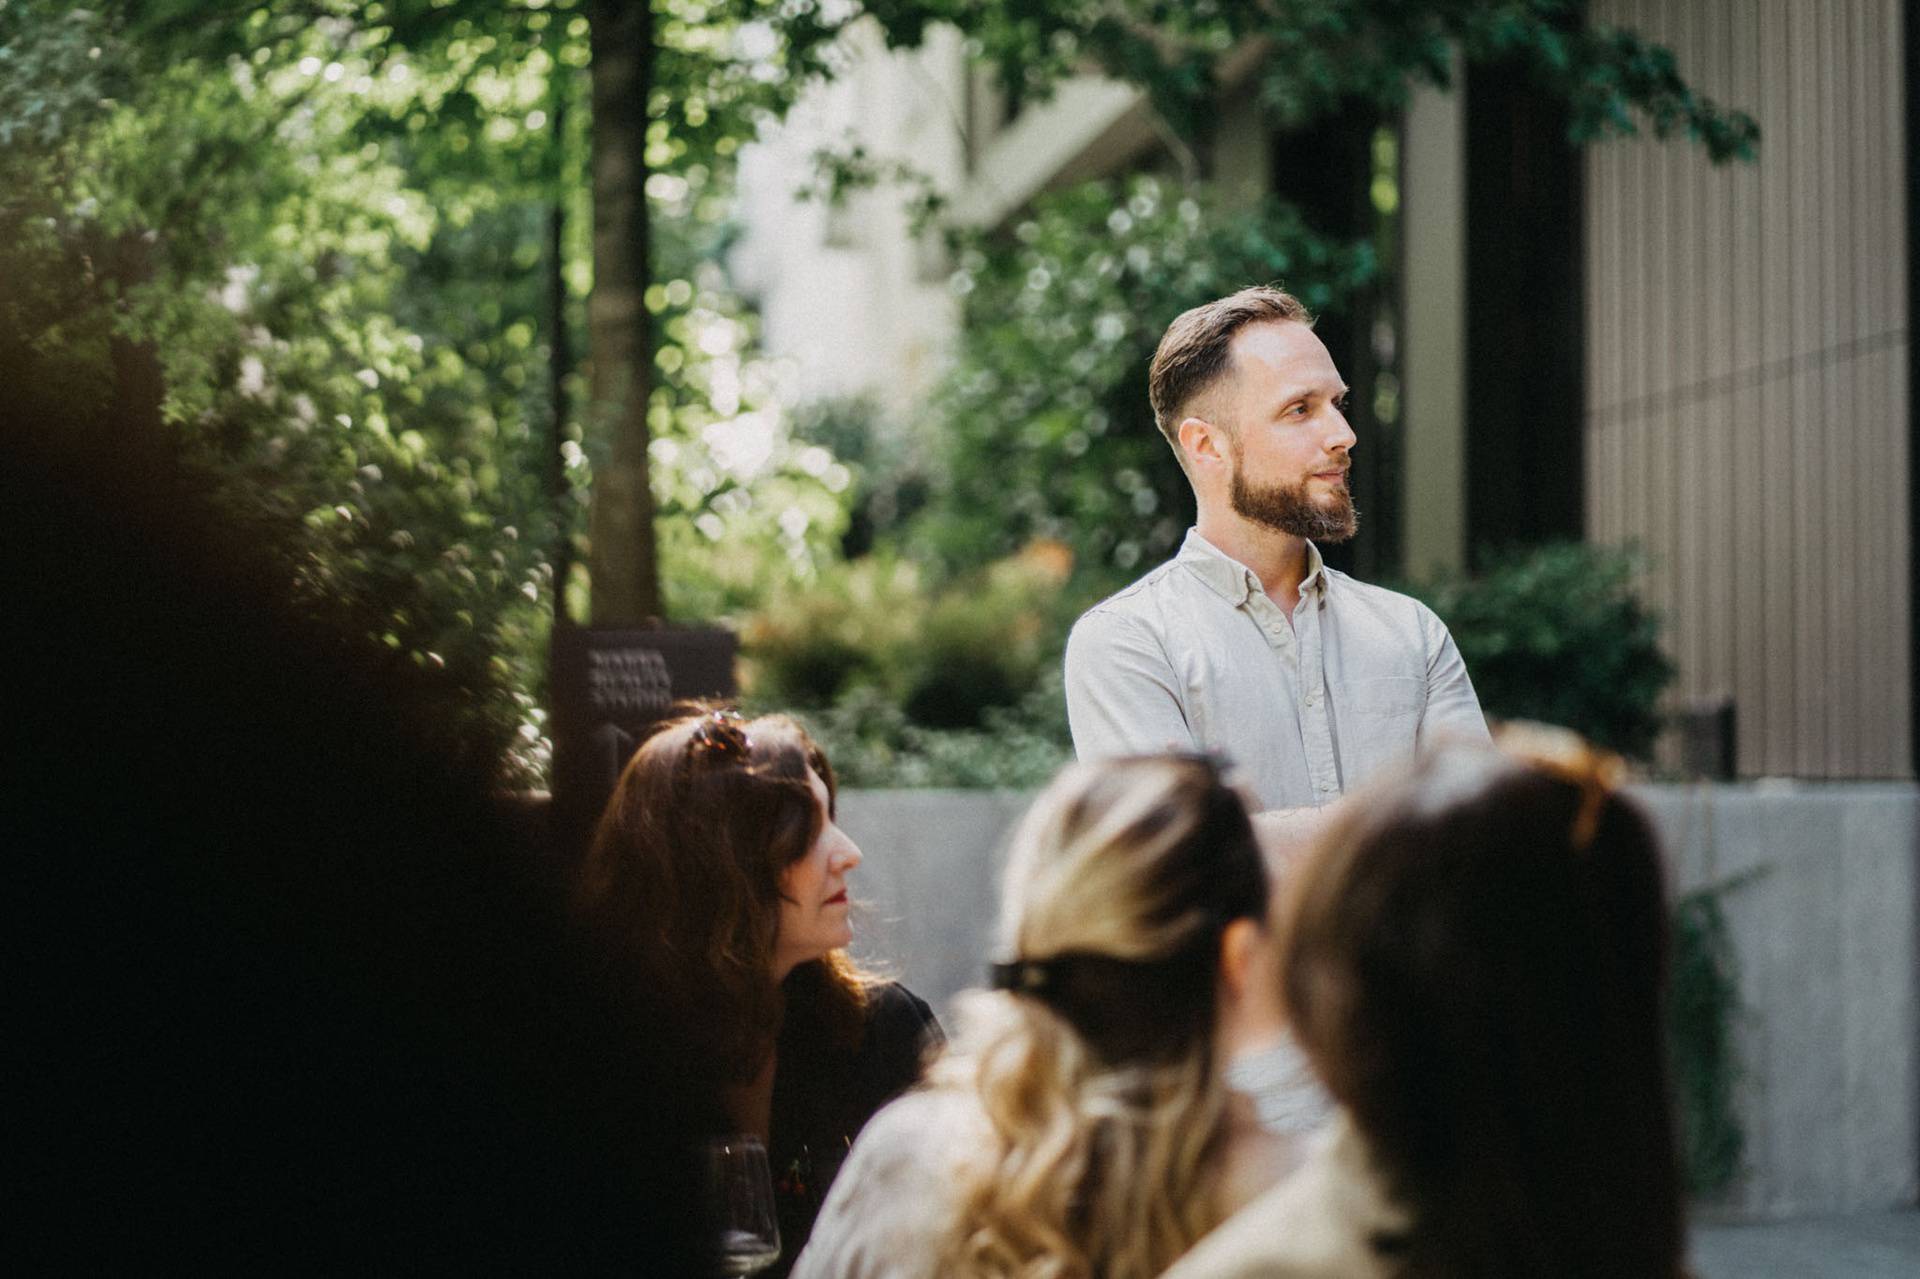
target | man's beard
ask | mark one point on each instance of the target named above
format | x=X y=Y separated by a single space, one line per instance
x=1287 y=508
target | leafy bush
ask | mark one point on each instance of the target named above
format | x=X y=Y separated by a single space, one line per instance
x=990 y=639
x=846 y=629
x=911 y=686
x=1557 y=634
x=944 y=656
x=873 y=743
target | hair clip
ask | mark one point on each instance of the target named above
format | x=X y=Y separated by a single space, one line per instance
x=1603 y=772
x=720 y=735
x=1564 y=754
x=1021 y=976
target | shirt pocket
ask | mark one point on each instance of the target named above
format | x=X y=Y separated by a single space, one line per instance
x=1379 y=723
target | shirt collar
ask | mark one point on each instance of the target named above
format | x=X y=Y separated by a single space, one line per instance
x=1234 y=581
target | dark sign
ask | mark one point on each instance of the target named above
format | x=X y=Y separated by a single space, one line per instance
x=610 y=687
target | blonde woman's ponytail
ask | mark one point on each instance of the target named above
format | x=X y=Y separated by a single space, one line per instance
x=1094 y=1067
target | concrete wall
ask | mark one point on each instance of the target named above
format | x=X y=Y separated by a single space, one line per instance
x=929 y=887
x=1824 y=927
x=1823 y=912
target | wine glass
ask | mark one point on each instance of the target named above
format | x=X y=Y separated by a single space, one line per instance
x=740 y=1193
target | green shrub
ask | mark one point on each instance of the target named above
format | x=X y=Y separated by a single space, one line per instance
x=845 y=629
x=907 y=685
x=945 y=656
x=872 y=743
x=1703 y=1004
x=1557 y=634
x=988 y=640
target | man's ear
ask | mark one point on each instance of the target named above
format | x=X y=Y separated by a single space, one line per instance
x=1202 y=441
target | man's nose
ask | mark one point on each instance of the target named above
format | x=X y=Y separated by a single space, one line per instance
x=1341 y=438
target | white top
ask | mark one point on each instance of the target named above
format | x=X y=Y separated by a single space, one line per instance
x=892 y=1207
x=1196 y=656
x=1317 y=1224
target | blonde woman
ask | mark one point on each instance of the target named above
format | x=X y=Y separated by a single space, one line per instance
x=1082 y=1126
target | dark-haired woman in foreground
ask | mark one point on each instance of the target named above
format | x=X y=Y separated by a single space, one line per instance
x=1474 y=958
x=721 y=876
x=1084 y=1126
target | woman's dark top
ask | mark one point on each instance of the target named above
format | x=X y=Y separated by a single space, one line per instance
x=824 y=1093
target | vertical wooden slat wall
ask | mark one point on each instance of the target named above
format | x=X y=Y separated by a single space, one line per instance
x=1747 y=398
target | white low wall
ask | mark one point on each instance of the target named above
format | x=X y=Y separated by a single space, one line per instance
x=1825 y=917
x=1824 y=906
x=929 y=887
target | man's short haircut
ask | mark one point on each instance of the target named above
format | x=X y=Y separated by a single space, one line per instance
x=1193 y=353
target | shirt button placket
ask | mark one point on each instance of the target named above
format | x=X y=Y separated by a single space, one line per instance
x=1322 y=766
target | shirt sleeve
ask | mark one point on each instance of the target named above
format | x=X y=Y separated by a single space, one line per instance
x=1122 y=695
x=1453 y=710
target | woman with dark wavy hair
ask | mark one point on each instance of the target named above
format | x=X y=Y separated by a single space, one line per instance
x=720 y=874
x=1474 y=958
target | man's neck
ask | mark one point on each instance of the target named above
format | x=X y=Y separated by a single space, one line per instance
x=1278 y=559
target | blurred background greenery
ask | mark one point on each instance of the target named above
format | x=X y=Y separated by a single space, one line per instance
x=354 y=242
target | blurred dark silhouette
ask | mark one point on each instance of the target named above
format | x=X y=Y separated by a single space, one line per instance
x=1475 y=959
x=297 y=995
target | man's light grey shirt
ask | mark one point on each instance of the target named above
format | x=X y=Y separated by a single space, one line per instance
x=1195 y=656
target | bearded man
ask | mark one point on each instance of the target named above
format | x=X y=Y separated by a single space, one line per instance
x=1245 y=642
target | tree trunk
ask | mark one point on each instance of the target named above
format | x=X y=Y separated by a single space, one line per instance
x=559 y=350
x=624 y=558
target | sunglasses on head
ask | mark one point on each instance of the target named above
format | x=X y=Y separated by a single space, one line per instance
x=720 y=736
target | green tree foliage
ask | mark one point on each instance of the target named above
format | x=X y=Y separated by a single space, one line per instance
x=272 y=252
x=889 y=466
x=335 y=247
x=1318 y=53
x=327 y=221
